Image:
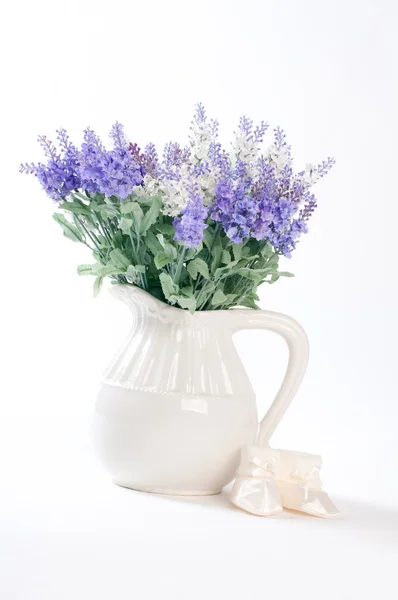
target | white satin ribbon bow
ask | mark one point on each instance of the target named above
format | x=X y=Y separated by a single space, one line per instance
x=268 y=479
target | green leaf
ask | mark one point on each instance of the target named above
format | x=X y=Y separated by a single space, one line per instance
x=97 y=197
x=79 y=225
x=188 y=303
x=153 y=243
x=70 y=231
x=249 y=302
x=192 y=252
x=117 y=239
x=225 y=257
x=160 y=237
x=249 y=258
x=198 y=266
x=218 y=298
x=151 y=215
x=229 y=299
x=125 y=224
x=97 y=285
x=99 y=269
x=246 y=251
x=161 y=260
x=208 y=237
x=109 y=211
x=119 y=259
x=187 y=291
x=273 y=260
x=237 y=250
x=75 y=207
x=216 y=252
x=133 y=272
x=267 y=250
x=170 y=250
x=285 y=274
x=253 y=274
x=95 y=206
x=168 y=286
x=126 y=207
x=165 y=228
x=88 y=269
x=208 y=293
x=110 y=269
x=226 y=271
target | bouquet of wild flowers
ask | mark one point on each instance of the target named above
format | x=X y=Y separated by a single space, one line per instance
x=201 y=228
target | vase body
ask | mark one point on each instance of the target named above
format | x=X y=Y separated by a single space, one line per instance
x=175 y=405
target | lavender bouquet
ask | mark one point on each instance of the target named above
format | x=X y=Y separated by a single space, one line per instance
x=200 y=228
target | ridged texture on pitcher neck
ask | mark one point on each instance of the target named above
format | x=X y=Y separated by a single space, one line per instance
x=170 y=350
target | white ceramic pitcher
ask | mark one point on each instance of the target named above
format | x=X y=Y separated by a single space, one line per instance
x=176 y=406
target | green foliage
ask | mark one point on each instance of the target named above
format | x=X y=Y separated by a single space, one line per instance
x=70 y=230
x=119 y=259
x=133 y=243
x=196 y=266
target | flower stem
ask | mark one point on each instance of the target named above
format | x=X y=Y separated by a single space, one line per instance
x=92 y=237
x=180 y=263
x=104 y=230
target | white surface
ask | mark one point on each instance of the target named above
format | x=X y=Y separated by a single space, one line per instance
x=324 y=71
x=67 y=532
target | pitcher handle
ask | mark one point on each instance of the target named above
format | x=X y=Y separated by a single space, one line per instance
x=297 y=342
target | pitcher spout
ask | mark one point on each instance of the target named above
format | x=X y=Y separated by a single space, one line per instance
x=129 y=294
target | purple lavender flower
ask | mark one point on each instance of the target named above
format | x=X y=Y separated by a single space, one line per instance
x=112 y=173
x=172 y=155
x=283 y=213
x=223 y=201
x=173 y=158
x=90 y=163
x=151 y=160
x=251 y=196
x=200 y=113
x=200 y=168
x=191 y=225
x=136 y=153
x=285 y=241
x=324 y=167
x=280 y=140
x=58 y=179
x=242 y=219
x=258 y=213
x=120 y=173
x=217 y=155
x=310 y=205
x=246 y=127
x=236 y=211
x=265 y=215
x=60 y=176
x=254 y=135
x=259 y=132
x=218 y=158
x=117 y=135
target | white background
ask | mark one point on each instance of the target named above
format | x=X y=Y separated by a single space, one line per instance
x=326 y=72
